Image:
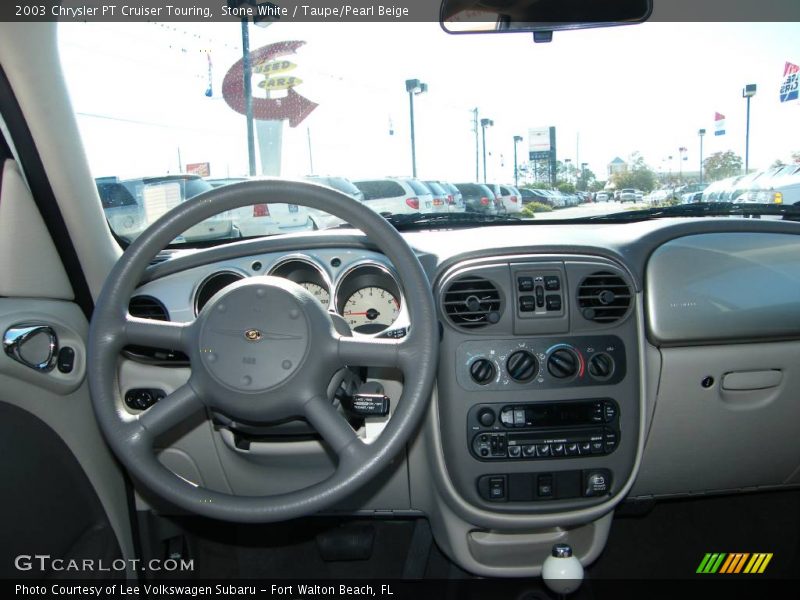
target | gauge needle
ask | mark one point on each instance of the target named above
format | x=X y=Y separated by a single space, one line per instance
x=349 y=313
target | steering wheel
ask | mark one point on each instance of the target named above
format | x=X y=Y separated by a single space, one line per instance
x=261 y=350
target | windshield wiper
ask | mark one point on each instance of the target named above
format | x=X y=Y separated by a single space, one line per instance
x=702 y=209
x=407 y=222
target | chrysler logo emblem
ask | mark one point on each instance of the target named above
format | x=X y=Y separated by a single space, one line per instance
x=252 y=335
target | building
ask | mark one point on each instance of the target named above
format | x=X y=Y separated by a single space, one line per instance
x=617 y=166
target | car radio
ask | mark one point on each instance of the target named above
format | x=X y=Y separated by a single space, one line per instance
x=543 y=430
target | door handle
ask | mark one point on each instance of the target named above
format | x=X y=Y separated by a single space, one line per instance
x=751 y=380
x=32 y=344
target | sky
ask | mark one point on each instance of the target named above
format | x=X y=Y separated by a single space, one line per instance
x=138 y=90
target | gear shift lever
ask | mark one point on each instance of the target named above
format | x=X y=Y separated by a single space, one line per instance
x=562 y=572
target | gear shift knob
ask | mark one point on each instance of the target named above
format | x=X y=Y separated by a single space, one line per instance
x=562 y=572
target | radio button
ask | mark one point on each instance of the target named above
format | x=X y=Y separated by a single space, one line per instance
x=529 y=450
x=572 y=449
x=486 y=417
x=557 y=449
x=611 y=441
x=542 y=450
x=514 y=451
x=585 y=447
x=519 y=417
x=597 y=447
x=610 y=411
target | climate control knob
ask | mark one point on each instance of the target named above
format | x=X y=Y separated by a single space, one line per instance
x=522 y=366
x=601 y=366
x=482 y=371
x=562 y=363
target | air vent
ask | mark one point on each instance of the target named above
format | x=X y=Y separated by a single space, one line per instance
x=604 y=297
x=472 y=302
x=147 y=307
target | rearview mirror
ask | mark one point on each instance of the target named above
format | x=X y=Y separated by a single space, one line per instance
x=541 y=17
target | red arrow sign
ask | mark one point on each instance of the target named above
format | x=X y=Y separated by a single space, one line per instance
x=293 y=107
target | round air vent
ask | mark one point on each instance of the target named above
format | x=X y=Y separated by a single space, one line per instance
x=147 y=307
x=472 y=302
x=213 y=284
x=604 y=297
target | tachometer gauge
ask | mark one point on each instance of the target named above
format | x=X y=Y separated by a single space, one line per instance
x=319 y=292
x=370 y=310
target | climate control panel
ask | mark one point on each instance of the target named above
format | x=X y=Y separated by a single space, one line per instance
x=540 y=363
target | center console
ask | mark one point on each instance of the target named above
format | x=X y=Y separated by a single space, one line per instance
x=538 y=385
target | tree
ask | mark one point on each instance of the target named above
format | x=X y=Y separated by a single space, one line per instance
x=778 y=163
x=566 y=187
x=721 y=165
x=796 y=156
x=585 y=179
x=638 y=176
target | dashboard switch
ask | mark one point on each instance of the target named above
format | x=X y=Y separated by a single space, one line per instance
x=552 y=283
x=539 y=296
x=527 y=304
x=596 y=482
x=544 y=486
x=497 y=488
x=486 y=417
x=553 y=302
x=525 y=284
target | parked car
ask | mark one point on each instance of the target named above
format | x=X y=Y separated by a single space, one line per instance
x=510 y=197
x=780 y=185
x=627 y=195
x=455 y=200
x=478 y=198
x=131 y=205
x=535 y=195
x=267 y=219
x=604 y=196
x=396 y=195
x=440 y=196
x=322 y=219
x=498 y=196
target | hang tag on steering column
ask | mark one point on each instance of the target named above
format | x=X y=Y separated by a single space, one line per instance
x=369 y=405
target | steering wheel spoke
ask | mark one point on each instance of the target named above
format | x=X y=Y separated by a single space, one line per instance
x=156 y=334
x=170 y=411
x=334 y=429
x=371 y=352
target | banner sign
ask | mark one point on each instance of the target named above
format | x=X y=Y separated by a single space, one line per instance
x=719 y=124
x=791 y=78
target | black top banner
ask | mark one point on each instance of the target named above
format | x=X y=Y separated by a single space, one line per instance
x=25 y=11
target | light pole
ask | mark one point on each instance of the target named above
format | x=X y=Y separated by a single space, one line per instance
x=701 y=133
x=583 y=176
x=484 y=124
x=567 y=163
x=748 y=92
x=414 y=87
x=517 y=140
x=681 y=152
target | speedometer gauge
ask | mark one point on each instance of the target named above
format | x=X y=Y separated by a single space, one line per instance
x=371 y=310
x=319 y=292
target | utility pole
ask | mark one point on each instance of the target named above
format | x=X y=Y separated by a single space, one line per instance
x=748 y=92
x=701 y=133
x=475 y=130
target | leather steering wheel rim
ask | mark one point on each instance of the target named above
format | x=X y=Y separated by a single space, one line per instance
x=215 y=346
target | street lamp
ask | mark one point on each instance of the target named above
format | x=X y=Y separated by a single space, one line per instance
x=484 y=124
x=567 y=163
x=414 y=87
x=681 y=152
x=517 y=140
x=583 y=175
x=748 y=92
x=701 y=133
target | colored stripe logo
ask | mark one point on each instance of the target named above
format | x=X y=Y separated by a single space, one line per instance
x=734 y=563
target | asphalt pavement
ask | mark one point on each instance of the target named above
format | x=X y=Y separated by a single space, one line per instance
x=589 y=210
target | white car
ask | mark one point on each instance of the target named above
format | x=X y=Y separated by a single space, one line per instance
x=130 y=205
x=396 y=195
x=267 y=219
x=780 y=185
x=627 y=195
x=604 y=196
x=511 y=198
x=322 y=219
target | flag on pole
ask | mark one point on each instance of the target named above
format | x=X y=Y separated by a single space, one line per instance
x=209 y=89
x=719 y=124
x=791 y=79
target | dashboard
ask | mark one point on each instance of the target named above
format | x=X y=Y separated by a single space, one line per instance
x=590 y=365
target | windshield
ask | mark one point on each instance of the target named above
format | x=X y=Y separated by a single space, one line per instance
x=597 y=122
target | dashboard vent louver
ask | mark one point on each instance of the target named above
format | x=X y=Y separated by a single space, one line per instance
x=604 y=297
x=147 y=307
x=472 y=302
